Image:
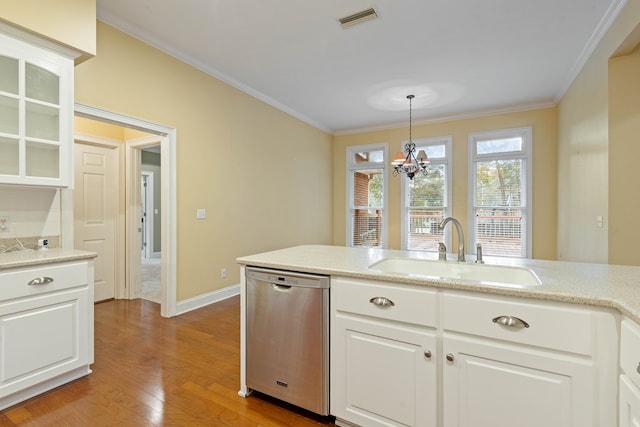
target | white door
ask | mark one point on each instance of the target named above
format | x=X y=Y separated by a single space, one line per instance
x=95 y=208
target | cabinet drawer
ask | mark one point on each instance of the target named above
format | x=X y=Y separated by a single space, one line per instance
x=405 y=303
x=15 y=283
x=551 y=326
x=630 y=350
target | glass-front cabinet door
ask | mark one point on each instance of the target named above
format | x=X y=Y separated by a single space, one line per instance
x=36 y=115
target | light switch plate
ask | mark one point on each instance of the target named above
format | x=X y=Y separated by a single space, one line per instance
x=201 y=214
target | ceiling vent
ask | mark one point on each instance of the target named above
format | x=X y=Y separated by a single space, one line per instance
x=358 y=18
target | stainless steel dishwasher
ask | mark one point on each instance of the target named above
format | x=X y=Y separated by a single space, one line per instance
x=288 y=337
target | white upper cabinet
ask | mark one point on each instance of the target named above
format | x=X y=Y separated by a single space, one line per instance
x=36 y=115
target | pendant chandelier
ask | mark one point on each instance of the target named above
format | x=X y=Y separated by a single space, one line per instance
x=408 y=162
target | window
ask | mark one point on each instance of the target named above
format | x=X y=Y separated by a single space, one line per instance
x=427 y=198
x=500 y=192
x=366 y=192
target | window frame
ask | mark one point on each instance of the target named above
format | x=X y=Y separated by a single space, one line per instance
x=352 y=167
x=525 y=154
x=447 y=141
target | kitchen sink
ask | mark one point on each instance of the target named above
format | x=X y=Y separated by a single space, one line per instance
x=490 y=274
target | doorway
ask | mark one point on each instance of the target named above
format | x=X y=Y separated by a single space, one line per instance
x=164 y=138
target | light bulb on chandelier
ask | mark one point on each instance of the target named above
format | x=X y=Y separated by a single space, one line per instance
x=408 y=162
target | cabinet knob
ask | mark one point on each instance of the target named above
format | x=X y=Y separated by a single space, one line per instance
x=450 y=357
x=511 y=321
x=427 y=354
x=381 y=302
x=638 y=368
x=40 y=281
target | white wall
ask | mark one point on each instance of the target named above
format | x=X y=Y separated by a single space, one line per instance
x=33 y=212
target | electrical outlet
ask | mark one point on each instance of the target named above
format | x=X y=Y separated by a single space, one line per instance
x=223 y=273
x=5 y=224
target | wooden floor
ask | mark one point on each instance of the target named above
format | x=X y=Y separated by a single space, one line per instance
x=152 y=371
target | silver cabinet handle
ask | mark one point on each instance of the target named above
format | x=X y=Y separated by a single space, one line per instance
x=40 y=281
x=510 y=321
x=450 y=357
x=427 y=354
x=381 y=302
x=638 y=368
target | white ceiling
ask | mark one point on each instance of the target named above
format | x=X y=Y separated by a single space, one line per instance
x=459 y=57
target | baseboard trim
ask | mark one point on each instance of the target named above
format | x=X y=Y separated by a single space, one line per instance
x=206 y=299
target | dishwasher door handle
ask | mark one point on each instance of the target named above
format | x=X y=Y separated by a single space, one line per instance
x=280 y=288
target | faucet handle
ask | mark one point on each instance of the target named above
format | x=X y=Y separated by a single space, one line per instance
x=442 y=251
x=479 y=254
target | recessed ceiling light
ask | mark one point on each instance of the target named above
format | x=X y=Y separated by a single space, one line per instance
x=358 y=18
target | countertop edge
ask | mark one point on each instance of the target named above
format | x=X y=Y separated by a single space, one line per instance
x=603 y=293
x=35 y=258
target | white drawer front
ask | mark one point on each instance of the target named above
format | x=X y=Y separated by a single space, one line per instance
x=403 y=303
x=550 y=326
x=16 y=283
x=630 y=350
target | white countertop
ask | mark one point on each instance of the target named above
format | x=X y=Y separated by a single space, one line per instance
x=603 y=285
x=19 y=259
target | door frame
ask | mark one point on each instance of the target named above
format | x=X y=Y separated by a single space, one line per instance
x=168 y=205
x=148 y=199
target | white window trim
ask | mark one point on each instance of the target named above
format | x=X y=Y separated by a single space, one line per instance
x=526 y=134
x=448 y=161
x=352 y=166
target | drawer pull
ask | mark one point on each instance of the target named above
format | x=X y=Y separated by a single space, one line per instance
x=450 y=357
x=511 y=321
x=427 y=354
x=381 y=302
x=40 y=281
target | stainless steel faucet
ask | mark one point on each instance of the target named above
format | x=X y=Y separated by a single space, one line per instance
x=460 y=235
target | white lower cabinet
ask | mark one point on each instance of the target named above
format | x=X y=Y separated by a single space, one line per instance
x=443 y=358
x=517 y=362
x=386 y=377
x=500 y=385
x=629 y=405
x=383 y=372
x=46 y=328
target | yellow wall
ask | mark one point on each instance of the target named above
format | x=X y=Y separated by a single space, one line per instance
x=583 y=151
x=542 y=121
x=624 y=154
x=69 y=22
x=96 y=128
x=263 y=176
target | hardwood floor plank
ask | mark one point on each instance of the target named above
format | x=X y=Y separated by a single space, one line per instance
x=152 y=371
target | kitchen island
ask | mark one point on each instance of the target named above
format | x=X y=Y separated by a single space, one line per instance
x=448 y=341
x=46 y=321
